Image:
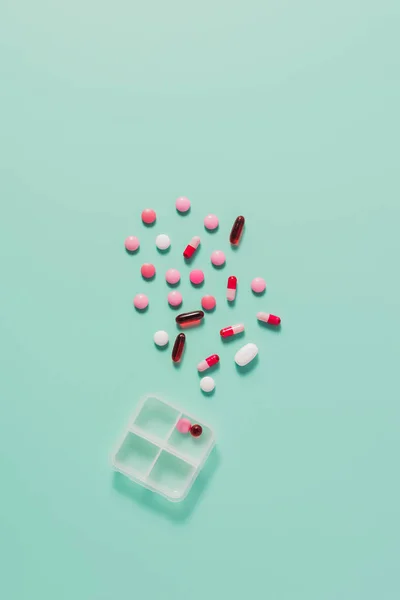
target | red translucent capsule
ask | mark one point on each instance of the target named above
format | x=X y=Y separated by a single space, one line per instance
x=231 y=288
x=179 y=345
x=196 y=430
x=190 y=318
x=232 y=330
x=237 y=230
x=208 y=362
x=192 y=247
x=267 y=318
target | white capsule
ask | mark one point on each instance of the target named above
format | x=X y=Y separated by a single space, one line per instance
x=246 y=354
x=161 y=338
x=207 y=384
x=162 y=241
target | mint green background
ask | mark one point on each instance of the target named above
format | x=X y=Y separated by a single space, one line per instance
x=286 y=112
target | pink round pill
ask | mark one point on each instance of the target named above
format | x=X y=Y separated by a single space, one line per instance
x=183 y=425
x=148 y=216
x=175 y=298
x=196 y=276
x=208 y=302
x=172 y=276
x=258 y=285
x=132 y=243
x=182 y=204
x=211 y=222
x=148 y=270
x=140 y=301
x=217 y=258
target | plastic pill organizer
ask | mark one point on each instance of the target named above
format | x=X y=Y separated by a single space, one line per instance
x=155 y=455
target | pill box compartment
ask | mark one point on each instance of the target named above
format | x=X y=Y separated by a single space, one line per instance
x=154 y=454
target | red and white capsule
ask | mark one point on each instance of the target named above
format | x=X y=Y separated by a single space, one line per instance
x=208 y=362
x=231 y=330
x=231 y=288
x=267 y=318
x=192 y=247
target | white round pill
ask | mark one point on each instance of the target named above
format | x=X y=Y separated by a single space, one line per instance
x=162 y=241
x=161 y=338
x=207 y=384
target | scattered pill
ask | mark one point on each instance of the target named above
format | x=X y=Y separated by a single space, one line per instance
x=182 y=204
x=208 y=362
x=267 y=318
x=196 y=430
x=192 y=247
x=231 y=288
x=211 y=222
x=172 y=276
x=208 y=302
x=196 y=276
x=161 y=338
x=148 y=270
x=141 y=301
x=183 y=425
x=148 y=216
x=207 y=384
x=175 y=298
x=162 y=241
x=246 y=354
x=258 y=285
x=237 y=230
x=179 y=345
x=132 y=243
x=217 y=258
x=190 y=318
x=231 y=330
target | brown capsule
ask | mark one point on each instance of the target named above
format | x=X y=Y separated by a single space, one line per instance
x=237 y=230
x=179 y=345
x=189 y=318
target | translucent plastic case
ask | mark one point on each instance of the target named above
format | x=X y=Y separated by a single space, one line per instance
x=154 y=454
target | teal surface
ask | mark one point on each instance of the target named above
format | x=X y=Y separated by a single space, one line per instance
x=288 y=113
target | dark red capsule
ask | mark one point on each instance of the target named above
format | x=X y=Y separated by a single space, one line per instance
x=237 y=230
x=179 y=345
x=189 y=318
x=196 y=430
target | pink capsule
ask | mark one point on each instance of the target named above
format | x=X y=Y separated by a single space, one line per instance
x=231 y=288
x=208 y=362
x=267 y=318
x=192 y=247
x=232 y=330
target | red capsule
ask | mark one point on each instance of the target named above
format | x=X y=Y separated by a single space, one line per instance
x=196 y=430
x=237 y=231
x=192 y=247
x=232 y=330
x=267 y=318
x=208 y=362
x=231 y=288
x=190 y=318
x=179 y=345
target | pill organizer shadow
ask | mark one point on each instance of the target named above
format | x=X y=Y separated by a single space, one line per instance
x=154 y=454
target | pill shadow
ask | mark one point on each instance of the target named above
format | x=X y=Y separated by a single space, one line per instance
x=141 y=310
x=178 y=512
x=150 y=225
x=219 y=267
x=208 y=394
x=198 y=285
x=247 y=368
x=183 y=213
x=149 y=279
x=259 y=293
x=175 y=307
x=132 y=252
x=231 y=304
x=274 y=328
x=231 y=338
x=163 y=251
x=173 y=285
x=210 y=310
x=162 y=348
